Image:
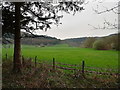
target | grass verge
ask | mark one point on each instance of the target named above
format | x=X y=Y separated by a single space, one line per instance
x=44 y=77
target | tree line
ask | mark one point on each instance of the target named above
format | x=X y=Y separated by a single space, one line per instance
x=104 y=43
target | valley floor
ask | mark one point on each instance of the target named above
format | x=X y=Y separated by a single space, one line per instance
x=69 y=55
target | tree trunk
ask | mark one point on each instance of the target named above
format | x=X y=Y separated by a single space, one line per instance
x=17 y=64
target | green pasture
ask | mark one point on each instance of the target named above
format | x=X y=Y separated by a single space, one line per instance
x=69 y=55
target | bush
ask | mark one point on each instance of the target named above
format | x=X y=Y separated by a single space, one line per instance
x=115 y=46
x=115 y=42
x=100 y=45
x=88 y=43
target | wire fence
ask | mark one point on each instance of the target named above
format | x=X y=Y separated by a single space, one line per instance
x=82 y=68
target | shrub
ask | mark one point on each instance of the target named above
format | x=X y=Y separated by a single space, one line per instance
x=115 y=42
x=88 y=43
x=100 y=45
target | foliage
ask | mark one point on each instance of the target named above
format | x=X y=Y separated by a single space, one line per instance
x=88 y=43
x=108 y=43
x=36 y=15
x=100 y=45
x=115 y=42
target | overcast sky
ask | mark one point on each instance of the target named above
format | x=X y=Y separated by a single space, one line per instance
x=77 y=25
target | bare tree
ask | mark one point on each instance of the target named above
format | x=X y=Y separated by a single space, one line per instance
x=107 y=24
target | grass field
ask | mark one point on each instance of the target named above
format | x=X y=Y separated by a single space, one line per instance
x=70 y=55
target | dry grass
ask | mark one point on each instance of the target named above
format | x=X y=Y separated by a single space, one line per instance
x=44 y=77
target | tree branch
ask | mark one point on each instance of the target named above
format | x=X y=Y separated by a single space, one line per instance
x=107 y=10
x=106 y=25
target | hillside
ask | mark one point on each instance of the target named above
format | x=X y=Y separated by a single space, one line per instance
x=29 y=39
x=78 y=41
x=74 y=41
x=40 y=40
x=43 y=40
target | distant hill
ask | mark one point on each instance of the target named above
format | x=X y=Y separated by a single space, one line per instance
x=43 y=40
x=78 y=41
x=74 y=41
x=28 y=39
x=40 y=40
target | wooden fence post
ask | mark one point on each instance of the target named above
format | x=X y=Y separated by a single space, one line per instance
x=53 y=63
x=35 y=61
x=30 y=61
x=23 y=61
x=83 y=66
x=6 y=56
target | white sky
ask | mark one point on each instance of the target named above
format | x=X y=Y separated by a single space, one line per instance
x=77 y=26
